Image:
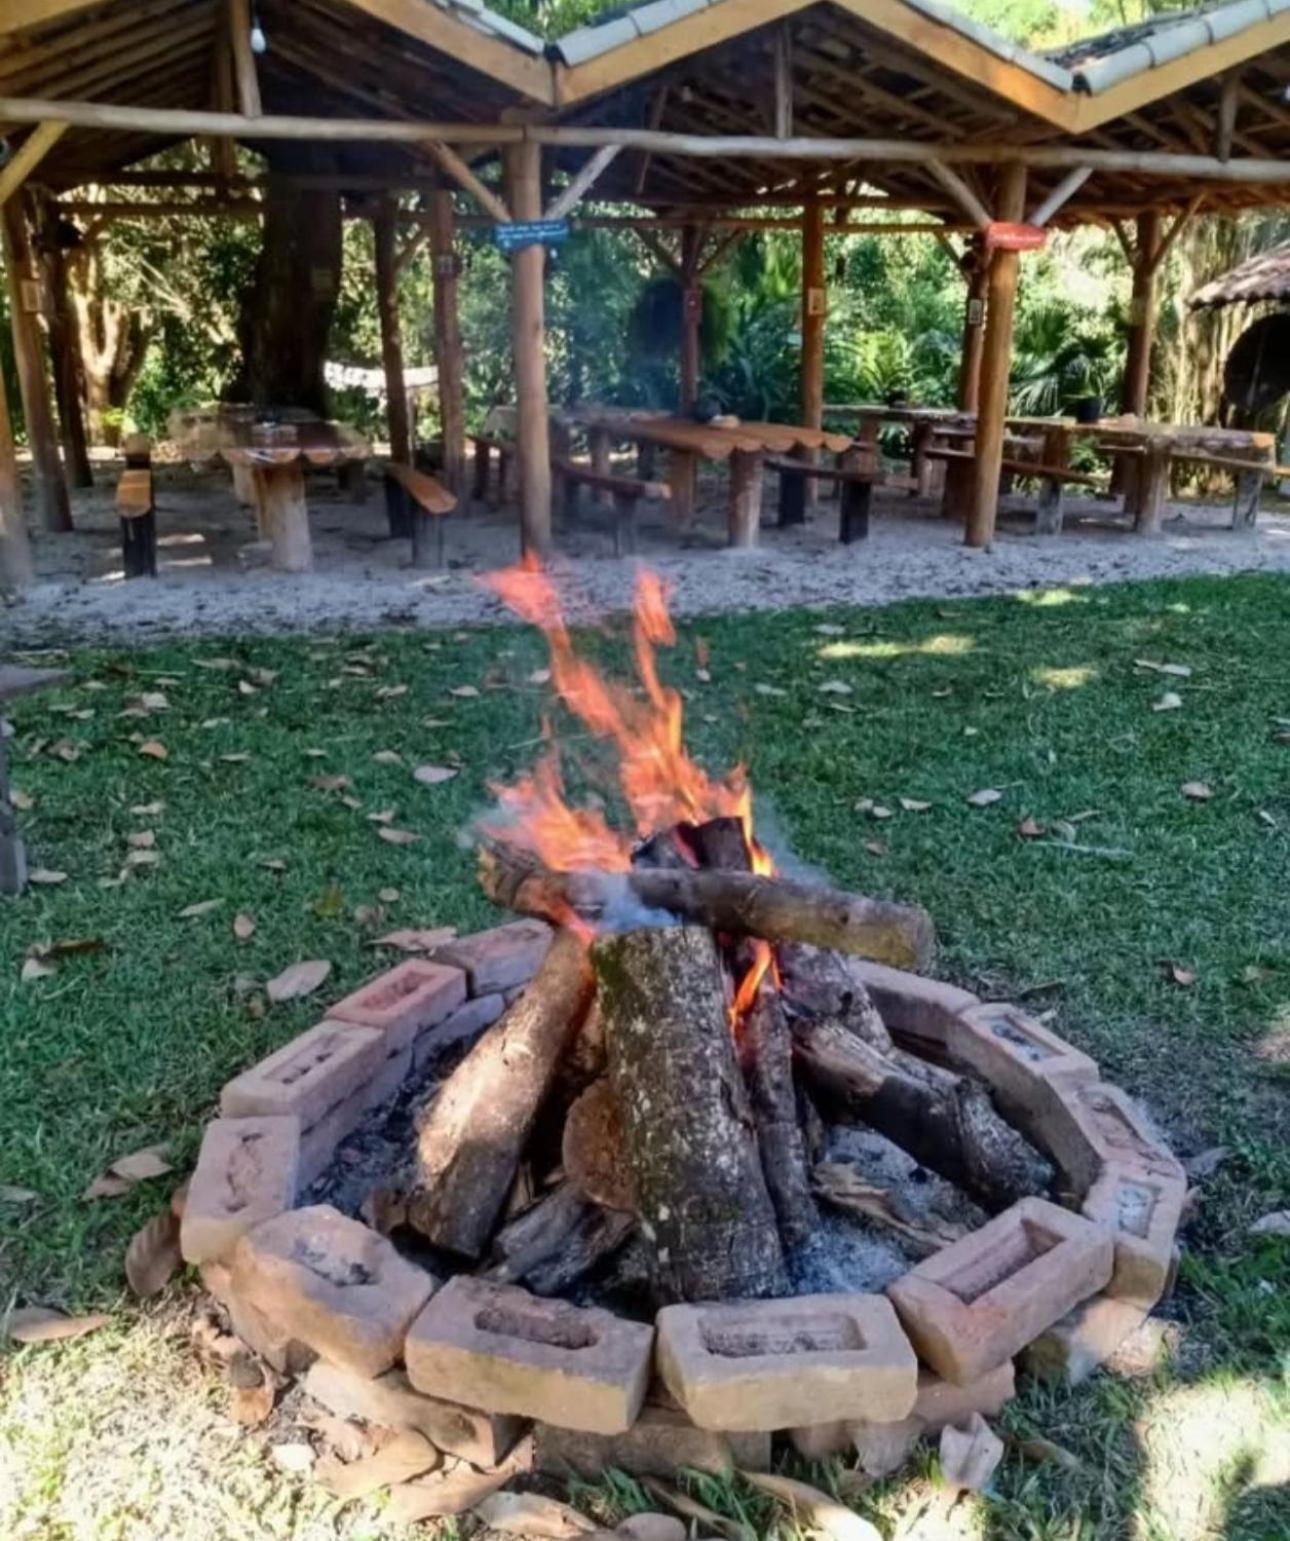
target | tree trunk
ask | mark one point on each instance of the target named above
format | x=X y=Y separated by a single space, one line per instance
x=69 y=394
x=112 y=342
x=688 y=1128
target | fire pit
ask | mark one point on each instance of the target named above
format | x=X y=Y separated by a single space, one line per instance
x=688 y=1156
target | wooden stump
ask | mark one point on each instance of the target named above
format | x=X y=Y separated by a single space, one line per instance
x=280 y=493
x=244 y=487
x=687 y=1124
x=745 y=498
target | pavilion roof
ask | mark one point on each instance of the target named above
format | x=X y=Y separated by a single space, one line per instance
x=1264 y=276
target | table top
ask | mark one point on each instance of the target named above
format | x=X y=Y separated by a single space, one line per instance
x=714 y=441
x=251 y=436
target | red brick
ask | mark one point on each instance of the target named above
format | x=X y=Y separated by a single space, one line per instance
x=467 y=1022
x=316 y=1277
x=309 y=1076
x=247 y=1171
x=501 y=958
x=497 y=1346
x=1142 y=1211
x=1018 y=1056
x=659 y=1444
x=919 y=1013
x=978 y=1302
x=1072 y=1348
x=775 y=1364
x=404 y=1001
x=1094 y=1125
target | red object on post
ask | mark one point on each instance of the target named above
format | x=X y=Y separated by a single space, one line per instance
x=1002 y=235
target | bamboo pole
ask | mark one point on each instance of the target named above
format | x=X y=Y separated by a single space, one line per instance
x=523 y=164
x=16 y=567
x=387 y=305
x=996 y=362
x=1060 y=196
x=572 y=195
x=29 y=154
x=814 y=306
x=466 y=179
x=447 y=339
x=239 y=32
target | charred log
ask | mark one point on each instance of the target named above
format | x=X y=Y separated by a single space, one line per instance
x=943 y=1120
x=558 y=1241
x=593 y=1151
x=821 y=983
x=737 y=903
x=473 y=1133
x=687 y=1125
x=766 y=1052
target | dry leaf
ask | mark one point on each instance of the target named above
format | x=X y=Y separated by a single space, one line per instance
x=216 y=663
x=1275 y=1224
x=145 y=810
x=828 y=629
x=407 y=1455
x=1206 y=1162
x=141 y=839
x=298 y=980
x=813 y=1508
x=143 y=858
x=835 y=688
x=397 y=836
x=709 y=1519
x=38 y=1324
x=246 y=688
x=251 y=1405
x=24 y=802
x=235 y=759
x=142 y=1164
x=1197 y=791
x=1181 y=670
x=389 y=895
x=1037 y=1449
x=382 y=816
x=914 y=805
x=331 y=783
x=876 y=847
x=969 y=1454
x=985 y=797
x=152 y=1258
x=465 y=692
x=417 y=941
x=1180 y=974
x=432 y=775
x=390 y=692
x=530 y=1514
x=202 y=907
x=33 y=969
x=271 y=863
x=1171 y=701
x=1030 y=829
x=540 y=677
x=46 y=876
x=154 y=749
x=388 y=757
x=454 y=1490
x=243 y=926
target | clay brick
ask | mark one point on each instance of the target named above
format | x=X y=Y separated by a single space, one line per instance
x=976 y=1303
x=247 y=1171
x=1072 y=1348
x=941 y=1402
x=467 y=1022
x=497 y=1346
x=501 y=958
x=389 y=1400
x=1018 y=1056
x=1094 y=1125
x=329 y=1282
x=775 y=1364
x=309 y=1076
x=404 y=1001
x=288 y=1355
x=658 y=1444
x=1142 y=1212
x=919 y=1013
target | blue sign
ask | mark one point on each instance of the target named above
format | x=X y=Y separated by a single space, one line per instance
x=530 y=232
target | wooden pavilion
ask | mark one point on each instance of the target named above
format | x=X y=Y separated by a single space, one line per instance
x=699 y=117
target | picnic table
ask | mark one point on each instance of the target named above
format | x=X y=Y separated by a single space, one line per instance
x=745 y=445
x=272 y=448
x=925 y=425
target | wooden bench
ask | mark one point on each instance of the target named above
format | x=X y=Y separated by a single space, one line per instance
x=1048 y=516
x=484 y=445
x=625 y=492
x=16 y=680
x=414 y=502
x=138 y=516
x=855 y=486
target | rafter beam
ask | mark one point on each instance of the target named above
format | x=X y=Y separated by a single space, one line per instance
x=29 y=154
x=960 y=192
x=1061 y=195
x=238 y=14
x=571 y=196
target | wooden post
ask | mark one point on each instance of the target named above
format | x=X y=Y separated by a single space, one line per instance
x=447 y=339
x=523 y=163
x=978 y=279
x=51 y=486
x=691 y=319
x=64 y=347
x=745 y=497
x=387 y=305
x=1142 y=316
x=239 y=32
x=996 y=362
x=814 y=304
x=16 y=569
x=284 y=515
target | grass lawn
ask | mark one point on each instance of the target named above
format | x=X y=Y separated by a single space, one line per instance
x=1162 y=947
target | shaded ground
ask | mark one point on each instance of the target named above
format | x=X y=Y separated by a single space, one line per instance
x=362 y=578
x=1041 y=696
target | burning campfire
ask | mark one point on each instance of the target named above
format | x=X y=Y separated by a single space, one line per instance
x=719 y=1103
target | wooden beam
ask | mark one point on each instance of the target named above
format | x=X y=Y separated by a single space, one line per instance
x=656 y=247
x=223 y=148
x=244 y=73
x=523 y=163
x=961 y=193
x=572 y=195
x=19 y=15
x=656 y=110
x=1180 y=223
x=782 y=44
x=1229 y=103
x=447 y=340
x=1061 y=195
x=29 y=154
x=387 y=307
x=466 y=179
x=407 y=252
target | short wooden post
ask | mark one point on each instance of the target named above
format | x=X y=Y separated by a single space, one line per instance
x=280 y=493
x=598 y=444
x=978 y=280
x=139 y=545
x=792 y=498
x=996 y=362
x=625 y=504
x=447 y=339
x=691 y=320
x=16 y=566
x=745 y=497
x=1051 y=509
x=244 y=486
x=385 y=234
x=1152 y=491
x=51 y=485
x=683 y=476
x=853 y=516
x=1246 y=500
x=523 y=163
x=814 y=306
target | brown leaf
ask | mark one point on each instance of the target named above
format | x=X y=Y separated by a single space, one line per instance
x=46 y=877
x=464 y=692
x=397 y=836
x=152 y=1258
x=814 y=1509
x=1030 y=828
x=876 y=847
x=107 y=1186
x=140 y=1165
x=251 y=1405
x=1197 y=791
x=143 y=858
x=985 y=797
x=388 y=757
x=1275 y=1224
x=1180 y=974
x=331 y=783
x=532 y=1514
x=154 y=749
x=202 y=907
x=417 y=941
x=970 y=1453
x=432 y=775
x=243 y=926
x=1039 y=1449
x=914 y=805
x=299 y=979
x=390 y=692
x=141 y=839
x=407 y=1455
x=38 y=1324
x=146 y=810
x=454 y=1490
x=382 y=816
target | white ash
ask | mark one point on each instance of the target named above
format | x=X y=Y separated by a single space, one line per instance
x=915 y=1193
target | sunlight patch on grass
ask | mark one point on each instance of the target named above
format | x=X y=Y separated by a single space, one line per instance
x=942 y=645
x=1048 y=599
x=1064 y=679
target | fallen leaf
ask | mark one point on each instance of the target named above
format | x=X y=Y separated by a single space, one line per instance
x=1206 y=1162
x=141 y=839
x=216 y=663
x=107 y=1187
x=416 y=941
x=154 y=749
x=369 y=916
x=709 y=1519
x=141 y=1164
x=813 y=1508
x=46 y=876
x=1181 y=671
x=1275 y=1224
x=389 y=895
x=1030 y=829
x=24 y=802
x=145 y=810
x=1197 y=791
x=876 y=847
x=432 y=775
x=243 y=926
x=1038 y=1449
x=251 y=1405
x=914 y=805
x=397 y=836
x=985 y=797
x=835 y=688
x=388 y=757
x=38 y=1324
x=1171 y=701
x=152 y=1258
x=246 y=688
x=454 y=1490
x=382 y=816
x=331 y=783
x=769 y=690
x=464 y=692
x=298 y=980
x=11 y=1195
x=540 y=677
x=235 y=759
x=202 y=907
x=272 y=863
x=828 y=629
x=33 y=969
x=878 y=811
x=1180 y=974
x=330 y=904
x=530 y=1514
x=969 y=1454
x=143 y=858
x=390 y=692
x=407 y=1455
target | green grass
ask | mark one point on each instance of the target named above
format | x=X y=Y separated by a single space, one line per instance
x=1039 y=696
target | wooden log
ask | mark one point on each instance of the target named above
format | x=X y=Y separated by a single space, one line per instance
x=688 y=1128
x=472 y=1134
x=558 y=1241
x=593 y=1150
x=743 y=904
x=766 y=1054
x=943 y=1120
x=745 y=498
x=284 y=515
x=825 y=985
x=814 y=307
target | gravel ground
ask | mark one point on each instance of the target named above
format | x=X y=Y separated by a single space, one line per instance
x=211 y=584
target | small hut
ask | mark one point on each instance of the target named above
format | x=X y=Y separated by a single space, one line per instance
x=1256 y=372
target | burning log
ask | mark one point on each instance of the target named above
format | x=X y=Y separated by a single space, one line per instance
x=766 y=1051
x=688 y=1129
x=737 y=903
x=472 y=1135
x=943 y=1120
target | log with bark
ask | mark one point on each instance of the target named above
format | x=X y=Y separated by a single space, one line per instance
x=558 y=1241
x=766 y=1054
x=593 y=1151
x=944 y=1120
x=473 y=1134
x=736 y=903
x=687 y=1125
x=826 y=985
